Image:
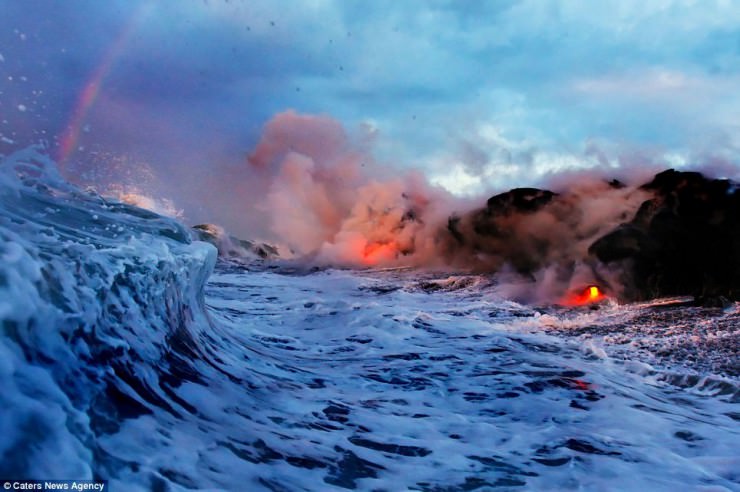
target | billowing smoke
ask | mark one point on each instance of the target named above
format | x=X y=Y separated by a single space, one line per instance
x=327 y=199
x=329 y=202
x=539 y=240
x=314 y=190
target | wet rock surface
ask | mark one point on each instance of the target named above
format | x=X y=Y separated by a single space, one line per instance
x=667 y=334
x=684 y=241
x=230 y=246
x=677 y=235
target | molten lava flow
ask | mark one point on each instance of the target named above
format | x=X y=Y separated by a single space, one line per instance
x=593 y=292
x=375 y=253
x=588 y=295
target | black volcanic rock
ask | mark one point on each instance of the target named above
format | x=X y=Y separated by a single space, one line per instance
x=232 y=247
x=626 y=241
x=519 y=229
x=684 y=241
x=520 y=200
x=487 y=222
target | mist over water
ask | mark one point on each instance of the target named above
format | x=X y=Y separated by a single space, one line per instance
x=326 y=198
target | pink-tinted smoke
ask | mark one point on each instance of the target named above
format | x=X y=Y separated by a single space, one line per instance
x=330 y=203
x=326 y=199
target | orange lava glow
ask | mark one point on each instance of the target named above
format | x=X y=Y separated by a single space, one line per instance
x=589 y=295
x=375 y=253
x=581 y=384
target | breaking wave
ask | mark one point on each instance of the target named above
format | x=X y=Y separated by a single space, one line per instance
x=102 y=302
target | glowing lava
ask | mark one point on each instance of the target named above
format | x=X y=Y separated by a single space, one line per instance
x=589 y=295
x=593 y=292
x=375 y=253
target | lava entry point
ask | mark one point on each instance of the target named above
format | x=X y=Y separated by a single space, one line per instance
x=587 y=296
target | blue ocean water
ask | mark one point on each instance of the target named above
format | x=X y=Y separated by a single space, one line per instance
x=131 y=353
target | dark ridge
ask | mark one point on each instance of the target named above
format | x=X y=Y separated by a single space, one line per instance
x=625 y=241
x=487 y=222
x=229 y=246
x=520 y=200
x=684 y=241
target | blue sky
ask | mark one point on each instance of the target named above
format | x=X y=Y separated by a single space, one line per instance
x=478 y=95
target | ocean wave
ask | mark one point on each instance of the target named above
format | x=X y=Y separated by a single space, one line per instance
x=130 y=353
x=92 y=293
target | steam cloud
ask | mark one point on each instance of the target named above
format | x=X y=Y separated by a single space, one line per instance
x=327 y=200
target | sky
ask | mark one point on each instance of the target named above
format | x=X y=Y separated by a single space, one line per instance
x=478 y=96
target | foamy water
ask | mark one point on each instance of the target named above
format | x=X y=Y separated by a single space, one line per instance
x=373 y=381
x=122 y=359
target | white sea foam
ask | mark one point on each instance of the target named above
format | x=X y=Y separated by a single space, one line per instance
x=440 y=388
x=331 y=380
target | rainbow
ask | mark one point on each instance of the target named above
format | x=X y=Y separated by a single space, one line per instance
x=69 y=138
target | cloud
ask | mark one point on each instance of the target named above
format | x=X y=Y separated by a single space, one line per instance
x=193 y=86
